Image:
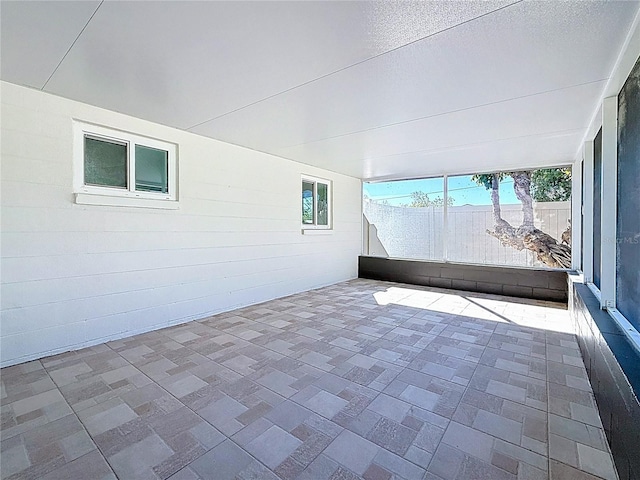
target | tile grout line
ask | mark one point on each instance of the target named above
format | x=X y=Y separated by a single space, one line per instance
x=226 y=437
x=73 y=411
x=524 y=404
x=377 y=393
x=306 y=323
x=466 y=388
x=84 y=428
x=549 y=413
x=152 y=382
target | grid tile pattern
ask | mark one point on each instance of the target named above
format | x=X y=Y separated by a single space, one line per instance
x=360 y=380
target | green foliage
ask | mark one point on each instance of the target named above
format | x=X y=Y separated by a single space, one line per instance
x=486 y=179
x=421 y=199
x=547 y=185
x=551 y=185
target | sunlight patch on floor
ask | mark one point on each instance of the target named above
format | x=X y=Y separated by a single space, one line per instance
x=522 y=312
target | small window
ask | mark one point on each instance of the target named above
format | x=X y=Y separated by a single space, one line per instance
x=316 y=203
x=117 y=164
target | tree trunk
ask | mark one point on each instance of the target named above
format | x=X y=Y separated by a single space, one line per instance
x=522 y=188
x=546 y=248
x=495 y=198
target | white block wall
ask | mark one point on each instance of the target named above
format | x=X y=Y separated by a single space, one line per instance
x=76 y=275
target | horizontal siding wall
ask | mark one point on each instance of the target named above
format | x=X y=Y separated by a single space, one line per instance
x=75 y=275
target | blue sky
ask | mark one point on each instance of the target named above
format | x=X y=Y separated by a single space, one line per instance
x=462 y=189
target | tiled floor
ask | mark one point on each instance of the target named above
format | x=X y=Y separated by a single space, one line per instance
x=362 y=379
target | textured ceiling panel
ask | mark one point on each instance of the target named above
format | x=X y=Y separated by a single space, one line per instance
x=182 y=63
x=544 y=114
x=519 y=51
x=36 y=35
x=370 y=89
x=524 y=152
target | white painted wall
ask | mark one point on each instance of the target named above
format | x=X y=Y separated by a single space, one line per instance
x=75 y=275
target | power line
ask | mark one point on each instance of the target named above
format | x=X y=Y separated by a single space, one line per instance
x=434 y=192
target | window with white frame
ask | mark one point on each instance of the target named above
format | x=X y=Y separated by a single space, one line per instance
x=123 y=165
x=316 y=203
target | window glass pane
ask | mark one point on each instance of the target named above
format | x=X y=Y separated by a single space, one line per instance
x=511 y=218
x=323 y=204
x=105 y=163
x=307 y=203
x=404 y=219
x=473 y=215
x=151 y=169
x=597 y=206
x=508 y=218
x=628 y=202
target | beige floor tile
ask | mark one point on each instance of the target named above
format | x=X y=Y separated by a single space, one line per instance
x=362 y=379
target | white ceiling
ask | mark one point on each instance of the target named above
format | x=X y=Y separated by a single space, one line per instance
x=370 y=89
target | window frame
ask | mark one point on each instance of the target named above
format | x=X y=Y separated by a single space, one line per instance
x=123 y=196
x=446 y=251
x=315 y=181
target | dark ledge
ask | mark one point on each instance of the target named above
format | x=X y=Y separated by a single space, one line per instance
x=613 y=367
x=540 y=284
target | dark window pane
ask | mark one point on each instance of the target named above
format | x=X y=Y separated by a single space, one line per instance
x=105 y=163
x=151 y=169
x=323 y=204
x=628 y=202
x=597 y=206
x=307 y=203
x=582 y=176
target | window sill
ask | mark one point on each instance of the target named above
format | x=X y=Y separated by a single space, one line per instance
x=629 y=330
x=113 y=201
x=317 y=231
x=594 y=290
